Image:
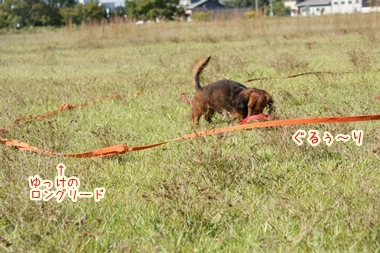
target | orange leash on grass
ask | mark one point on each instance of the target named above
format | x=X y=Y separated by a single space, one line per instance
x=184 y=99
x=63 y=107
x=121 y=149
x=297 y=75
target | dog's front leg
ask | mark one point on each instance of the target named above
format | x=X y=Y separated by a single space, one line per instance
x=250 y=111
x=208 y=116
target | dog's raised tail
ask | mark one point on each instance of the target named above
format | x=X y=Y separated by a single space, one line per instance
x=197 y=70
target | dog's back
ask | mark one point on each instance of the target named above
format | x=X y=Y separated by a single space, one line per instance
x=227 y=86
x=222 y=94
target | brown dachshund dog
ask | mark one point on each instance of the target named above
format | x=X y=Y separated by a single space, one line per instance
x=226 y=96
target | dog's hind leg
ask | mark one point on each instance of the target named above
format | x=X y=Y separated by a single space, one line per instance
x=195 y=115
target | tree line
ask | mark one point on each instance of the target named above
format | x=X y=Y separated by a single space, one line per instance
x=20 y=13
x=278 y=6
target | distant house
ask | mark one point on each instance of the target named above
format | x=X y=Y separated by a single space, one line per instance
x=321 y=7
x=201 y=5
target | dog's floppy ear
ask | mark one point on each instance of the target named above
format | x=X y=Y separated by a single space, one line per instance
x=252 y=102
x=242 y=103
x=257 y=101
x=246 y=101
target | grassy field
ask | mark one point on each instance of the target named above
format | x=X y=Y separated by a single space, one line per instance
x=244 y=191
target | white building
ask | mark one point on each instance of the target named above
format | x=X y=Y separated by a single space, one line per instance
x=321 y=7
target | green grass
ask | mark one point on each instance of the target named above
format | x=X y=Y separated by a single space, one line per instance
x=245 y=191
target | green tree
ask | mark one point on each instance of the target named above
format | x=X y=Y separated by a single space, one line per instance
x=72 y=14
x=32 y=12
x=18 y=11
x=44 y=14
x=278 y=6
x=151 y=9
x=82 y=13
x=4 y=22
x=92 y=11
x=240 y=3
